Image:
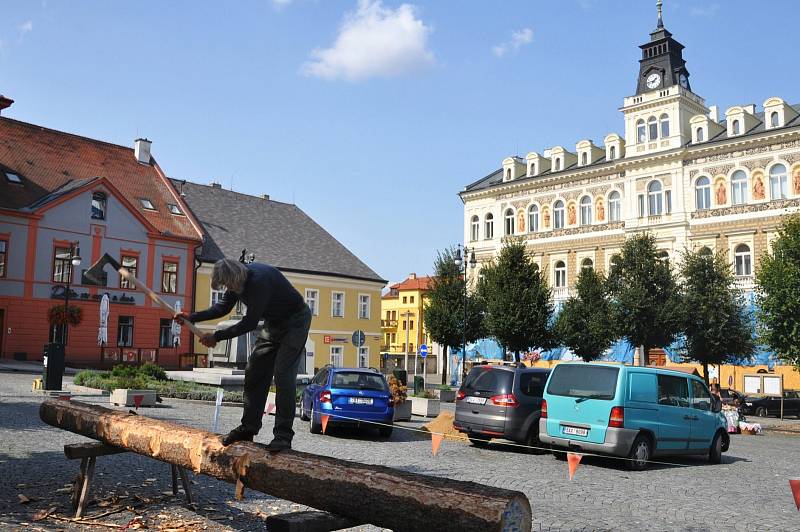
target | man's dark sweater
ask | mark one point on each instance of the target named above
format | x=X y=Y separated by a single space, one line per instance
x=267 y=294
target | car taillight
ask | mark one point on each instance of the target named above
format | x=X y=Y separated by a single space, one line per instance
x=325 y=396
x=460 y=395
x=544 y=409
x=617 y=417
x=507 y=399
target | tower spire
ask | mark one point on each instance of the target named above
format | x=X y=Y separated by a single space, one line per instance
x=660 y=19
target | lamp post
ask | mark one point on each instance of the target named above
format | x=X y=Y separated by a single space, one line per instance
x=74 y=261
x=459 y=261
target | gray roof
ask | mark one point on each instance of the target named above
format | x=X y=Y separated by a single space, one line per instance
x=279 y=234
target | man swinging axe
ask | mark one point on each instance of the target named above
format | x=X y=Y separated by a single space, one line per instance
x=278 y=349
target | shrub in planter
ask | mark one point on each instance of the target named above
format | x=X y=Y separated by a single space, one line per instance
x=58 y=315
x=398 y=391
x=154 y=372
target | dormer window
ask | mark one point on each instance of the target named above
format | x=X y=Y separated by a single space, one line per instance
x=612 y=153
x=99 y=202
x=584 y=159
x=558 y=164
x=147 y=204
x=13 y=178
x=508 y=174
x=736 y=127
x=774 y=119
x=174 y=209
x=532 y=170
x=701 y=135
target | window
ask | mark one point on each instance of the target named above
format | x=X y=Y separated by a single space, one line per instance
x=533 y=218
x=777 y=182
x=312 y=300
x=216 y=296
x=742 y=260
x=411 y=325
x=169 y=277
x=558 y=164
x=509 y=222
x=3 y=252
x=673 y=391
x=125 y=331
x=587 y=264
x=560 y=271
x=99 y=206
x=774 y=119
x=739 y=187
x=654 y=198
x=584 y=159
x=405 y=300
x=667 y=201
x=62 y=265
x=586 y=210
x=615 y=261
x=165 y=333
x=474 y=228
x=13 y=178
x=147 y=204
x=702 y=193
x=405 y=325
x=532 y=384
x=489 y=229
x=532 y=170
x=558 y=215
x=508 y=173
x=363 y=362
x=664 y=120
x=337 y=304
x=641 y=206
x=132 y=265
x=705 y=252
x=336 y=356
x=612 y=153
x=614 y=210
x=652 y=128
x=411 y=299
x=363 y=306
x=701 y=399
x=640 y=131
x=735 y=127
x=701 y=135
x=174 y=209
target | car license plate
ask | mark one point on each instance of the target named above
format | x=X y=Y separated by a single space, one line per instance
x=360 y=401
x=476 y=400
x=575 y=431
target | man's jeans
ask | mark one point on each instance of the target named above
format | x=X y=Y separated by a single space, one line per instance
x=277 y=352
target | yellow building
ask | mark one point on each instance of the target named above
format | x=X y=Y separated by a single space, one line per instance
x=343 y=293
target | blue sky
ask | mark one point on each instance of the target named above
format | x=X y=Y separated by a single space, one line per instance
x=370 y=116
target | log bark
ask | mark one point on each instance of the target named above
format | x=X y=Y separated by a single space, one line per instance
x=378 y=495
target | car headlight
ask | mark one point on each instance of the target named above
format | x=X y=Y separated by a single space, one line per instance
x=749 y=404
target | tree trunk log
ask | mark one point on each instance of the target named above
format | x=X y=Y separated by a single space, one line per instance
x=367 y=493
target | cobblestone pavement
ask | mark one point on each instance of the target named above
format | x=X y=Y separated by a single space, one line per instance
x=748 y=491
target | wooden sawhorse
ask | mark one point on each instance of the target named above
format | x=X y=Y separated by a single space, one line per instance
x=88 y=453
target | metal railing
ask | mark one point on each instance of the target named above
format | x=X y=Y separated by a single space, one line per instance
x=389 y=323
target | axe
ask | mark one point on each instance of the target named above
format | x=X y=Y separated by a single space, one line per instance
x=95 y=273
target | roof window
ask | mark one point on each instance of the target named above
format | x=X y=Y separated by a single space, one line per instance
x=13 y=178
x=147 y=204
x=174 y=209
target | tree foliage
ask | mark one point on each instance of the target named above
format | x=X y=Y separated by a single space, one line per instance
x=516 y=300
x=583 y=324
x=779 y=293
x=645 y=302
x=715 y=324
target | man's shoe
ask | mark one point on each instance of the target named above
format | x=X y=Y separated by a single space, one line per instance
x=279 y=445
x=237 y=434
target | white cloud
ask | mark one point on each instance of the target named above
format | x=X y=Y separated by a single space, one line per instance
x=374 y=41
x=281 y=3
x=26 y=27
x=708 y=10
x=518 y=40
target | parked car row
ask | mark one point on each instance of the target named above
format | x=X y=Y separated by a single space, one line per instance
x=763 y=406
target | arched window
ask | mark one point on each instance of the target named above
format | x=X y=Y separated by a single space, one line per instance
x=533 y=218
x=774 y=119
x=532 y=169
x=652 y=128
x=509 y=222
x=778 y=185
x=558 y=164
x=99 y=206
x=612 y=153
x=641 y=132
x=558 y=215
x=614 y=207
x=587 y=264
x=739 y=187
x=560 y=272
x=474 y=228
x=508 y=173
x=488 y=230
x=702 y=193
x=586 y=210
x=736 y=127
x=584 y=159
x=664 y=120
x=701 y=136
x=742 y=260
x=705 y=252
x=655 y=198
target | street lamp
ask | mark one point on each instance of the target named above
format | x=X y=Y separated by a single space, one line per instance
x=459 y=261
x=74 y=261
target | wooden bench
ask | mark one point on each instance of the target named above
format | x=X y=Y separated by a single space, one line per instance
x=88 y=453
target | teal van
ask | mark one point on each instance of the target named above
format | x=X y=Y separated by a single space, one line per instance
x=630 y=411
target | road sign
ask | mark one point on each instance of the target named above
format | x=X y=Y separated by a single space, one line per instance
x=423 y=350
x=359 y=338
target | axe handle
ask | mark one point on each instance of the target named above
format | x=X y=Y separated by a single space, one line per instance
x=160 y=302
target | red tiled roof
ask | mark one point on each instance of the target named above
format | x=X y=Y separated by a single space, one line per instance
x=47 y=159
x=420 y=283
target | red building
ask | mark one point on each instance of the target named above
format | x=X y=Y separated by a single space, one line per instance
x=59 y=191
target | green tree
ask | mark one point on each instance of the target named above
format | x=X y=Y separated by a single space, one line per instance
x=645 y=301
x=779 y=293
x=516 y=300
x=583 y=324
x=444 y=308
x=715 y=324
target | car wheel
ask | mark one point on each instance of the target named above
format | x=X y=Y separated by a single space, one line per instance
x=534 y=445
x=761 y=411
x=385 y=432
x=640 y=454
x=715 y=452
x=303 y=415
x=316 y=426
x=479 y=441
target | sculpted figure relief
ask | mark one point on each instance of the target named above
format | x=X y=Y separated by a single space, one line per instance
x=520 y=221
x=758 y=185
x=571 y=214
x=796 y=174
x=722 y=193
x=601 y=211
x=546 y=217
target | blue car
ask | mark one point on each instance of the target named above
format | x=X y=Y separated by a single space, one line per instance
x=355 y=397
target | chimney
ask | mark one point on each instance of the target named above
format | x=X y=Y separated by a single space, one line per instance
x=265 y=196
x=141 y=149
x=713 y=113
x=5 y=103
x=412 y=275
x=750 y=108
x=214 y=184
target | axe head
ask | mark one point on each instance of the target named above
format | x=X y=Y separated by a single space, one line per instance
x=95 y=274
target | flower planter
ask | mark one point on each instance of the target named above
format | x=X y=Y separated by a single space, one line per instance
x=421 y=406
x=125 y=397
x=447 y=396
x=402 y=411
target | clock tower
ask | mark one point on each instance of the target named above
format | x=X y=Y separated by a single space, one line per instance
x=662 y=64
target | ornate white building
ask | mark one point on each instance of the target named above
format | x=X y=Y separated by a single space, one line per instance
x=682 y=170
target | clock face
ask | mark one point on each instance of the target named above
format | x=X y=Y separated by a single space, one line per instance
x=684 y=81
x=653 y=80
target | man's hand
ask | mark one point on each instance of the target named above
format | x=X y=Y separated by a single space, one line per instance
x=208 y=340
x=181 y=317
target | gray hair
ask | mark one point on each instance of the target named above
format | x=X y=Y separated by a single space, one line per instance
x=229 y=273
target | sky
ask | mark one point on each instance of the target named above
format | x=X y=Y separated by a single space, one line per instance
x=369 y=115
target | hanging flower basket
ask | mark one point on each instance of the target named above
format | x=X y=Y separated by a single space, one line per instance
x=58 y=315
